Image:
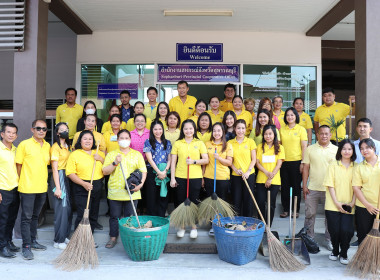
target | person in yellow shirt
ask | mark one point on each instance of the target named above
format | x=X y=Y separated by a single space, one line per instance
x=32 y=159
x=9 y=197
x=215 y=113
x=243 y=164
x=249 y=104
x=264 y=117
x=183 y=104
x=59 y=154
x=110 y=137
x=90 y=124
x=150 y=109
x=204 y=127
x=340 y=200
x=366 y=185
x=294 y=141
x=79 y=170
x=229 y=94
x=270 y=155
x=114 y=110
x=305 y=120
x=315 y=162
x=173 y=122
x=278 y=101
x=242 y=114
x=200 y=107
x=330 y=108
x=162 y=112
x=188 y=151
x=138 y=109
x=120 y=204
x=70 y=112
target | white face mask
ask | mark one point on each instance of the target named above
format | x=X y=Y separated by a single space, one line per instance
x=90 y=111
x=124 y=143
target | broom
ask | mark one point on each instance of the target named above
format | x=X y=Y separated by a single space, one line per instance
x=213 y=204
x=280 y=258
x=366 y=261
x=80 y=252
x=186 y=213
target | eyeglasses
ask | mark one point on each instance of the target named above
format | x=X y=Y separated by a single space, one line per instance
x=38 y=128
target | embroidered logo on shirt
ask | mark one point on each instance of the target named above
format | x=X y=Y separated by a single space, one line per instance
x=245 y=147
x=195 y=147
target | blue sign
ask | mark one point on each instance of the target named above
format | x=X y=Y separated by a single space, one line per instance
x=112 y=91
x=200 y=52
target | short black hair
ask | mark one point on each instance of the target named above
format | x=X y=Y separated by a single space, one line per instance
x=369 y=142
x=365 y=120
x=90 y=115
x=71 y=88
x=78 y=144
x=138 y=102
x=340 y=148
x=209 y=129
x=182 y=82
x=212 y=97
x=229 y=85
x=123 y=131
x=327 y=89
x=139 y=115
x=37 y=120
x=118 y=116
x=151 y=88
x=238 y=96
x=175 y=114
x=294 y=112
x=125 y=92
x=298 y=98
x=9 y=125
x=324 y=126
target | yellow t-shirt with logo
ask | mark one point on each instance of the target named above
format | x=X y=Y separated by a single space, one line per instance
x=81 y=163
x=69 y=115
x=8 y=170
x=216 y=118
x=149 y=112
x=172 y=136
x=61 y=155
x=281 y=118
x=291 y=140
x=305 y=121
x=111 y=141
x=205 y=137
x=222 y=171
x=194 y=119
x=242 y=154
x=269 y=160
x=245 y=115
x=185 y=110
x=107 y=126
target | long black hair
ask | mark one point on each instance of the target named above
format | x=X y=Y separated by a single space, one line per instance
x=294 y=112
x=209 y=129
x=78 y=144
x=56 y=137
x=182 y=134
x=158 y=109
x=348 y=141
x=226 y=114
x=224 y=142
x=258 y=125
x=84 y=109
x=275 y=139
x=152 y=138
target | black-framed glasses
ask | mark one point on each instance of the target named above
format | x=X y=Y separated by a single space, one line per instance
x=38 y=128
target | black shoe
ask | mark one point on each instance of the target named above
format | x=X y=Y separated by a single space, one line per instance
x=355 y=243
x=36 y=246
x=5 y=253
x=98 y=226
x=12 y=247
x=27 y=253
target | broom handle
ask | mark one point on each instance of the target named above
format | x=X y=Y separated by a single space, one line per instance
x=215 y=172
x=268 y=218
x=92 y=178
x=130 y=195
x=254 y=200
x=290 y=211
x=376 y=222
x=294 y=222
x=187 y=184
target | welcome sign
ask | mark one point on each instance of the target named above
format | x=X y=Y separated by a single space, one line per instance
x=200 y=52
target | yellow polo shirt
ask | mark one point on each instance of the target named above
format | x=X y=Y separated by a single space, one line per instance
x=245 y=115
x=340 y=112
x=205 y=137
x=107 y=126
x=131 y=124
x=116 y=184
x=291 y=140
x=259 y=139
x=8 y=170
x=172 y=136
x=185 y=110
x=98 y=139
x=61 y=155
x=222 y=171
x=216 y=118
x=111 y=141
x=305 y=121
x=69 y=115
x=281 y=118
x=242 y=154
x=34 y=160
x=149 y=112
x=269 y=160
x=194 y=119
x=164 y=123
x=368 y=178
x=81 y=163
x=226 y=106
x=319 y=159
x=340 y=178
x=193 y=150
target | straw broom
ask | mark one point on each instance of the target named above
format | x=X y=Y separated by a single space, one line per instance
x=212 y=204
x=366 y=261
x=186 y=213
x=80 y=252
x=280 y=258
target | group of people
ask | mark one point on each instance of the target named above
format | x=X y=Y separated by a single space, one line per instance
x=161 y=145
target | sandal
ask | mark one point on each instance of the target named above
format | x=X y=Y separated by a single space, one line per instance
x=284 y=214
x=110 y=244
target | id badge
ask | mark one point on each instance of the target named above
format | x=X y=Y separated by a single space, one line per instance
x=269 y=159
x=113 y=138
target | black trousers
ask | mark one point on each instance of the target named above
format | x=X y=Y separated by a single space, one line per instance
x=222 y=187
x=8 y=214
x=195 y=186
x=80 y=195
x=118 y=210
x=262 y=199
x=241 y=197
x=155 y=204
x=290 y=177
x=341 y=229
x=31 y=205
x=364 y=222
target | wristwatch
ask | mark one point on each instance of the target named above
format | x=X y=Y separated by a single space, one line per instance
x=195 y=162
x=114 y=163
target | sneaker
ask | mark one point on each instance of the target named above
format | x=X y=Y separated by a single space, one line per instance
x=332 y=257
x=355 y=243
x=27 y=253
x=6 y=253
x=98 y=226
x=211 y=232
x=37 y=246
x=194 y=233
x=181 y=233
x=12 y=247
x=67 y=241
x=329 y=245
x=61 y=246
x=343 y=260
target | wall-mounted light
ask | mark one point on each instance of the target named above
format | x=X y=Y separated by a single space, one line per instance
x=223 y=13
